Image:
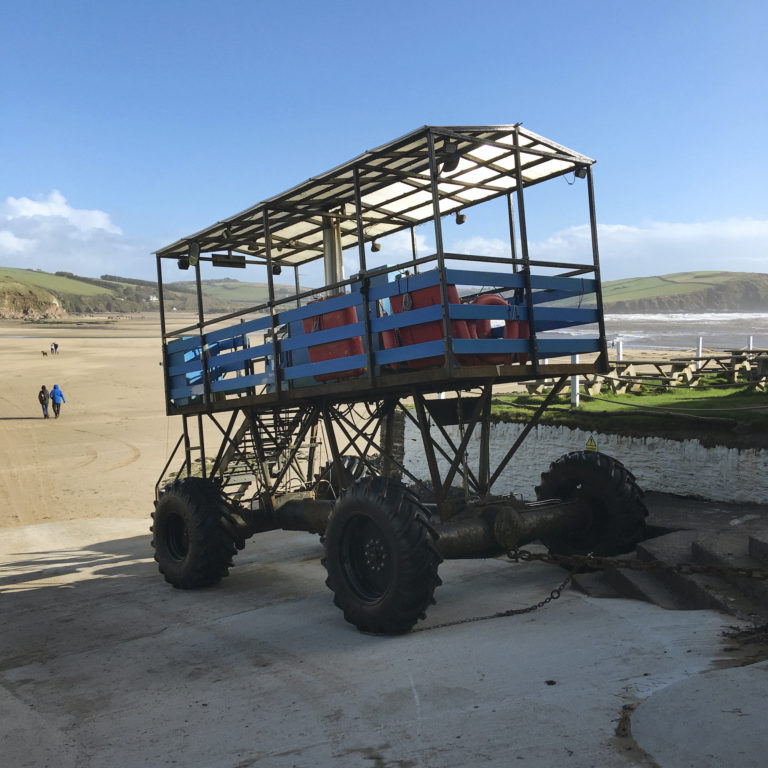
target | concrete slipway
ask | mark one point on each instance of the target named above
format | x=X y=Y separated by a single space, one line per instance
x=103 y=664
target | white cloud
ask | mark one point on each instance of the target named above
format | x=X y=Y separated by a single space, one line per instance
x=56 y=207
x=657 y=248
x=51 y=235
x=11 y=244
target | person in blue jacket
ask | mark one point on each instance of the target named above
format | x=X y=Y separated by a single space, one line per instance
x=57 y=398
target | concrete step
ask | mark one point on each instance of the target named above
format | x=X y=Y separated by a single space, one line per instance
x=643 y=585
x=732 y=549
x=595 y=584
x=697 y=591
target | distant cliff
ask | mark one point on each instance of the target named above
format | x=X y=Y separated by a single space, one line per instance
x=33 y=294
x=688 y=292
x=19 y=301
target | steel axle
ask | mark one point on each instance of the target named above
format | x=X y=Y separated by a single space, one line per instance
x=496 y=527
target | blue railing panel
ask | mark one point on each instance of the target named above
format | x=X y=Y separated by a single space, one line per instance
x=314 y=338
x=240 y=356
x=321 y=307
x=335 y=365
x=405 y=285
x=411 y=352
x=191 y=366
x=490 y=280
x=576 y=285
x=484 y=312
x=241 y=382
x=183 y=344
x=412 y=317
x=233 y=331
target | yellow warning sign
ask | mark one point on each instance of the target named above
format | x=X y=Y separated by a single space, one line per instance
x=591 y=444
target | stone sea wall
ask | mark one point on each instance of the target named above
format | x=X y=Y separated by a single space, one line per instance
x=685 y=467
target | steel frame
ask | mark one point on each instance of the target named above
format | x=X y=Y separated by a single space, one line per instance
x=284 y=427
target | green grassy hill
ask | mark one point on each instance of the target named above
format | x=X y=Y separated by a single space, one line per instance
x=688 y=292
x=34 y=294
x=26 y=293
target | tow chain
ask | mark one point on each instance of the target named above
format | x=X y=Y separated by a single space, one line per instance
x=594 y=562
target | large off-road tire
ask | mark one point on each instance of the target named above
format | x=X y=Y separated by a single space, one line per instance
x=194 y=534
x=380 y=556
x=328 y=484
x=611 y=495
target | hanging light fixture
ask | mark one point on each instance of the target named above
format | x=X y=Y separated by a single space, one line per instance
x=460 y=217
x=375 y=247
x=193 y=255
x=450 y=156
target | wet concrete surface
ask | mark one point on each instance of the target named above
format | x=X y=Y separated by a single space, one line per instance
x=104 y=664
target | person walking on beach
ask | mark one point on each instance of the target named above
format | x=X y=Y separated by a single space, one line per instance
x=57 y=398
x=43 y=397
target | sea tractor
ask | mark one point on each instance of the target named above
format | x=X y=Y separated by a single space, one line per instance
x=293 y=408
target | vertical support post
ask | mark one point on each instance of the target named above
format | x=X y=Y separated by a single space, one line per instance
x=258 y=444
x=364 y=281
x=484 y=464
x=575 y=384
x=187 y=447
x=512 y=237
x=297 y=285
x=619 y=350
x=272 y=313
x=164 y=343
x=160 y=298
x=447 y=346
x=414 y=251
x=388 y=438
x=699 y=351
x=201 y=444
x=749 y=343
x=519 y=184
x=602 y=363
x=429 y=450
x=200 y=323
x=330 y=436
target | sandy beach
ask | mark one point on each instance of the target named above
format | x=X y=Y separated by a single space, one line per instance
x=102 y=457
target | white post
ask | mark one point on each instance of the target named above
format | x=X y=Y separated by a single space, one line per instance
x=749 y=343
x=619 y=350
x=699 y=351
x=575 y=385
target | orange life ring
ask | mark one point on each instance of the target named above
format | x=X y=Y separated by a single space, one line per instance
x=513 y=329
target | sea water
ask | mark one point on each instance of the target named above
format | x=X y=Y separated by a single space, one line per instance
x=681 y=331
x=678 y=331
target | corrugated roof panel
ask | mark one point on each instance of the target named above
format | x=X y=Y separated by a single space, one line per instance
x=395 y=185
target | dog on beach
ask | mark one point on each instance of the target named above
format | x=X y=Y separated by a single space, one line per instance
x=45 y=354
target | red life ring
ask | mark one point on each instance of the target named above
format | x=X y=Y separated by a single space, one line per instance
x=513 y=329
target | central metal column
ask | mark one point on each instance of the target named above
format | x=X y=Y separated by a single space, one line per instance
x=334 y=268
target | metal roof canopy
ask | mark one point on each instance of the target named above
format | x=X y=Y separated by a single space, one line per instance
x=394 y=187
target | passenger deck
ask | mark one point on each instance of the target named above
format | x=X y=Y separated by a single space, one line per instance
x=447 y=321
x=385 y=332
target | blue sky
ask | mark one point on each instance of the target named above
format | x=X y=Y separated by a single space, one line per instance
x=126 y=125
